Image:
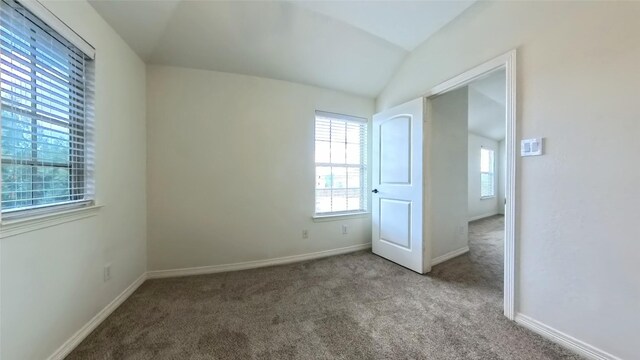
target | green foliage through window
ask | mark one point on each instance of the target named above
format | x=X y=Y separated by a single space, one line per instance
x=43 y=87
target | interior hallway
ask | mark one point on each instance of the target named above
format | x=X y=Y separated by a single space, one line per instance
x=354 y=306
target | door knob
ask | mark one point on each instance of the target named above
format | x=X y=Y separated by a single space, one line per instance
x=375 y=191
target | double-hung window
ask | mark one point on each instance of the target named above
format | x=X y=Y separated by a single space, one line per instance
x=487 y=173
x=46 y=131
x=341 y=164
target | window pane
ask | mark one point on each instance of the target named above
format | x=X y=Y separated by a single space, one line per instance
x=353 y=178
x=323 y=177
x=16 y=136
x=44 y=82
x=340 y=143
x=339 y=200
x=50 y=185
x=338 y=131
x=323 y=130
x=354 y=198
x=338 y=155
x=486 y=184
x=353 y=154
x=487 y=164
x=323 y=154
x=486 y=160
x=323 y=201
x=16 y=186
x=53 y=143
x=339 y=177
x=353 y=133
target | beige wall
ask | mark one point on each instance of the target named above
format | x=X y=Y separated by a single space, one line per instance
x=52 y=279
x=447 y=154
x=577 y=233
x=231 y=168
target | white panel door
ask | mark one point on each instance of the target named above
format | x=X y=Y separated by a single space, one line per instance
x=397 y=185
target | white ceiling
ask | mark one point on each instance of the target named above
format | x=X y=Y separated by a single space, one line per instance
x=487 y=101
x=403 y=23
x=349 y=46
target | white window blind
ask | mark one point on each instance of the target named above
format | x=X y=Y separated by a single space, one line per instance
x=45 y=91
x=487 y=173
x=341 y=164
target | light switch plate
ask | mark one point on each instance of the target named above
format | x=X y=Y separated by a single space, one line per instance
x=531 y=147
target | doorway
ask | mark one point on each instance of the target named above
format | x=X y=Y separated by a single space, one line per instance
x=436 y=203
x=507 y=64
x=467 y=127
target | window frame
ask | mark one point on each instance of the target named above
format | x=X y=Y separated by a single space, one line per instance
x=81 y=190
x=362 y=166
x=492 y=173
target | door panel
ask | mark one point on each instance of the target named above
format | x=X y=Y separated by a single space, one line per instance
x=395 y=160
x=395 y=222
x=397 y=182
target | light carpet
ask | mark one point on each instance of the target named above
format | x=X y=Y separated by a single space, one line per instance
x=354 y=306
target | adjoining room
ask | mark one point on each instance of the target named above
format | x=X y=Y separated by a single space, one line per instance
x=468 y=181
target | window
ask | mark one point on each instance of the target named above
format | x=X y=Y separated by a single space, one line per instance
x=341 y=164
x=487 y=173
x=45 y=102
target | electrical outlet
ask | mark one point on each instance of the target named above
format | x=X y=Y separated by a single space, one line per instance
x=305 y=234
x=461 y=232
x=107 y=272
x=345 y=229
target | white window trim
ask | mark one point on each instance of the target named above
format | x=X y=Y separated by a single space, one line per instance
x=35 y=218
x=348 y=118
x=336 y=216
x=59 y=26
x=26 y=224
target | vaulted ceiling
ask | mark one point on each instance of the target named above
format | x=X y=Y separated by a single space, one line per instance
x=487 y=106
x=348 y=46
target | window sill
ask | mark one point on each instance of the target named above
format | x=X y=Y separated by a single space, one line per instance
x=20 y=226
x=487 y=197
x=337 y=217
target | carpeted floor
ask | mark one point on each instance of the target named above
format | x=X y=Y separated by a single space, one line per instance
x=355 y=306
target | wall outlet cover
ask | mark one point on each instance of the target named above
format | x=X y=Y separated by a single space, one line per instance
x=531 y=147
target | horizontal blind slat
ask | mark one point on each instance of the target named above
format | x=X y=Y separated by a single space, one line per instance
x=341 y=179
x=38 y=64
x=43 y=94
x=18 y=66
x=28 y=23
x=37 y=113
x=51 y=83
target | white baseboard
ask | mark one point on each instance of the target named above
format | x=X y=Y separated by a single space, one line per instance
x=550 y=333
x=474 y=218
x=81 y=334
x=563 y=339
x=449 y=255
x=156 y=274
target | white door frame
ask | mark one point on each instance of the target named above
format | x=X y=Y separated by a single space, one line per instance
x=508 y=63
